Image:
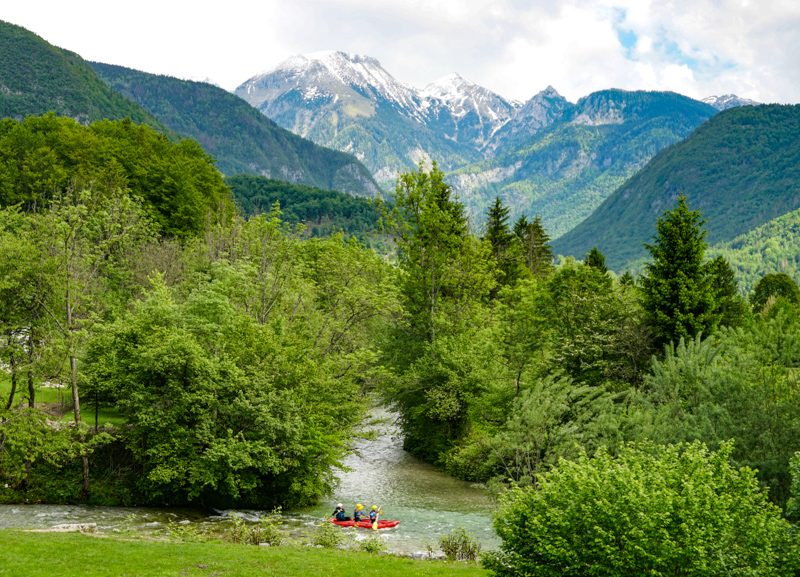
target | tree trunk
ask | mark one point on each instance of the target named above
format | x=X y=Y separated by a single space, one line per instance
x=10 y=402
x=77 y=404
x=31 y=390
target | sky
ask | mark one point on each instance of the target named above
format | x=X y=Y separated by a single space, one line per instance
x=513 y=47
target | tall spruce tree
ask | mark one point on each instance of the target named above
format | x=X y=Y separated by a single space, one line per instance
x=536 y=252
x=596 y=259
x=678 y=294
x=501 y=239
x=730 y=304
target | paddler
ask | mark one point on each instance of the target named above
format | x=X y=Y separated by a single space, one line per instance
x=359 y=514
x=373 y=515
x=338 y=513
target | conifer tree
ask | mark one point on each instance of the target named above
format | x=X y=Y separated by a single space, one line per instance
x=627 y=279
x=730 y=305
x=596 y=259
x=536 y=252
x=501 y=239
x=678 y=295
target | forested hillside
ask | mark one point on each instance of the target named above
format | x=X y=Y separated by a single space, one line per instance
x=741 y=169
x=37 y=77
x=565 y=170
x=323 y=211
x=771 y=248
x=237 y=135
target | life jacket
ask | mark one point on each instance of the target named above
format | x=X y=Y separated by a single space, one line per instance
x=358 y=514
x=339 y=514
x=372 y=515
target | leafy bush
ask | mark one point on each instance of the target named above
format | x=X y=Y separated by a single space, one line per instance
x=373 y=544
x=266 y=531
x=329 y=536
x=460 y=546
x=653 y=510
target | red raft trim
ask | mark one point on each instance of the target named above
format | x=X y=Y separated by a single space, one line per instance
x=366 y=524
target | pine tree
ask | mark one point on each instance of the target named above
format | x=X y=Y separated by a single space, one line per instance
x=678 y=295
x=536 y=253
x=730 y=305
x=501 y=239
x=627 y=279
x=596 y=259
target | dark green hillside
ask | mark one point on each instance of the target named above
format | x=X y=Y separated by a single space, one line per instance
x=566 y=170
x=236 y=134
x=741 y=169
x=37 y=77
x=323 y=211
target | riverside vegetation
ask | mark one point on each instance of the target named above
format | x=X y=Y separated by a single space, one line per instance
x=237 y=356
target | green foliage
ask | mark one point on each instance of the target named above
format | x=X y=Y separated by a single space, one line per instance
x=43 y=156
x=793 y=506
x=748 y=153
x=460 y=546
x=770 y=248
x=738 y=386
x=678 y=292
x=38 y=77
x=446 y=276
x=240 y=138
x=730 y=306
x=323 y=212
x=594 y=258
x=651 y=510
x=537 y=254
x=774 y=285
x=372 y=544
x=329 y=536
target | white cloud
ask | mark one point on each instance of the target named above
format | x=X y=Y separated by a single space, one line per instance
x=515 y=47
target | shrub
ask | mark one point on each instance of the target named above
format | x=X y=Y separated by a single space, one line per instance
x=652 y=510
x=373 y=544
x=329 y=536
x=460 y=546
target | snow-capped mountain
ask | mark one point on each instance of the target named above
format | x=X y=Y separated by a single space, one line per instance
x=464 y=111
x=537 y=113
x=728 y=101
x=203 y=79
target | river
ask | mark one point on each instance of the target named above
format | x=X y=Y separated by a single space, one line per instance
x=427 y=503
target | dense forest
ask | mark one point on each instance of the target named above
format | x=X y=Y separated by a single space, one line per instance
x=228 y=359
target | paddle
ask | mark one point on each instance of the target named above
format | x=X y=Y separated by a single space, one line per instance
x=375 y=522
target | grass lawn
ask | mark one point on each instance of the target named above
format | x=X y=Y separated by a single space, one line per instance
x=67 y=554
x=55 y=396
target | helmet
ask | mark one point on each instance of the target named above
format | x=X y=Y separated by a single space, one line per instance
x=339 y=505
x=359 y=507
x=374 y=507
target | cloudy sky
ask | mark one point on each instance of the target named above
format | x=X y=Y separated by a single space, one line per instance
x=514 y=47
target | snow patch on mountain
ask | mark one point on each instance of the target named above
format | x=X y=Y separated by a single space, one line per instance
x=728 y=101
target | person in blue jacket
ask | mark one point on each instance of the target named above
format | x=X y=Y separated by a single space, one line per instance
x=359 y=514
x=338 y=513
x=374 y=513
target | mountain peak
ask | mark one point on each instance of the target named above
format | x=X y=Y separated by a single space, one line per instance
x=728 y=101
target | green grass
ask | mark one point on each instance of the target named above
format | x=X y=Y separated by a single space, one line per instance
x=56 y=396
x=67 y=554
